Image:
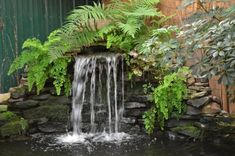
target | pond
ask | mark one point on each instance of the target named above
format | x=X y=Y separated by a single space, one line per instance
x=133 y=146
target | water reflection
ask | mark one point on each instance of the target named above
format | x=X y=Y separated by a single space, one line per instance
x=140 y=146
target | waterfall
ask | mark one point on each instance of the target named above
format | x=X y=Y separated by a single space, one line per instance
x=91 y=73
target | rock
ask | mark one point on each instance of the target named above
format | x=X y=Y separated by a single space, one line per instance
x=133 y=105
x=202 y=84
x=23 y=105
x=174 y=123
x=224 y=114
x=53 y=127
x=138 y=98
x=140 y=121
x=4 y=97
x=130 y=129
x=14 y=128
x=199 y=125
x=52 y=112
x=188 y=130
x=129 y=120
x=199 y=88
x=199 y=94
x=199 y=102
x=174 y=136
x=40 y=97
x=192 y=111
x=212 y=108
x=134 y=113
x=17 y=92
x=202 y=80
x=37 y=121
x=15 y=100
x=61 y=100
x=191 y=81
x=3 y=108
x=216 y=99
x=188 y=117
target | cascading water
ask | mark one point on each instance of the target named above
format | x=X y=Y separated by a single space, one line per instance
x=96 y=87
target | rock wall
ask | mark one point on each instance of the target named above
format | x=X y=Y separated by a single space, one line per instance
x=48 y=113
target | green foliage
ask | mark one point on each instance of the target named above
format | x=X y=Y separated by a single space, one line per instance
x=168 y=98
x=14 y=128
x=8 y=116
x=122 y=26
x=158 y=54
x=215 y=40
x=41 y=67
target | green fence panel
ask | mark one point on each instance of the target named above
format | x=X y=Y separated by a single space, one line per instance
x=22 y=19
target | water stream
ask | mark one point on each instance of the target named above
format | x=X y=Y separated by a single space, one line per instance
x=96 y=87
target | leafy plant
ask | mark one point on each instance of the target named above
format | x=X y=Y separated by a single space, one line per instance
x=168 y=98
x=158 y=54
x=214 y=39
x=119 y=25
x=40 y=66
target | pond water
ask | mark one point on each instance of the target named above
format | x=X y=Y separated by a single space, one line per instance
x=132 y=146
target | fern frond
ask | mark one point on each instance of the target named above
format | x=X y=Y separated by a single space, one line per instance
x=144 y=12
x=131 y=26
x=85 y=15
x=32 y=49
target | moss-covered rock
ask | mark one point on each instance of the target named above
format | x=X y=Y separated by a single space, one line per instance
x=3 y=108
x=51 y=112
x=8 y=116
x=13 y=128
x=188 y=130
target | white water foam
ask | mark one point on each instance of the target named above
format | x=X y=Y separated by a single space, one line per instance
x=86 y=138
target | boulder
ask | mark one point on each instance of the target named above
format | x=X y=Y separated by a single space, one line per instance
x=212 y=108
x=51 y=112
x=4 y=97
x=18 y=92
x=188 y=130
x=53 y=127
x=199 y=88
x=133 y=105
x=198 y=94
x=138 y=98
x=58 y=100
x=199 y=102
x=193 y=111
x=174 y=123
x=15 y=100
x=40 y=97
x=23 y=105
x=206 y=84
x=191 y=81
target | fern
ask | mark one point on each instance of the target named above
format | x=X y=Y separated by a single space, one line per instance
x=124 y=20
x=41 y=64
x=168 y=98
x=124 y=28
